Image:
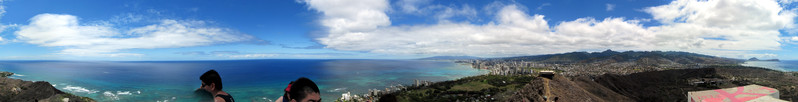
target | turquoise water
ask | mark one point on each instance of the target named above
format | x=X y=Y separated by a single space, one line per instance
x=246 y=80
x=787 y=65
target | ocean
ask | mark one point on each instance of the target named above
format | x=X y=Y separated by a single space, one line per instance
x=784 y=65
x=245 y=80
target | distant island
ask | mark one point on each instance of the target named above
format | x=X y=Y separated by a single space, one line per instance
x=755 y=59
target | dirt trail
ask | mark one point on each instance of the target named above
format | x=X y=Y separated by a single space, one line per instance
x=547 y=88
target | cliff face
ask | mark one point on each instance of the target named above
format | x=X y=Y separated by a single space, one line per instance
x=16 y=90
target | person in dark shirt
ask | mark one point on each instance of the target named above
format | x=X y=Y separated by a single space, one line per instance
x=301 y=90
x=212 y=83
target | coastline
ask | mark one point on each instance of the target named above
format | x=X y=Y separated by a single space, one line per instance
x=374 y=94
x=784 y=65
x=606 y=76
x=17 y=90
x=604 y=88
x=122 y=81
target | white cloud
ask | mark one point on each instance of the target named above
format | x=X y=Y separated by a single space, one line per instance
x=740 y=14
x=543 y=5
x=247 y=56
x=59 y=30
x=615 y=33
x=412 y=6
x=449 y=12
x=440 y=12
x=787 y=1
x=740 y=24
x=351 y=15
x=610 y=7
x=726 y=28
x=2 y=13
x=790 y=40
x=513 y=32
x=284 y=55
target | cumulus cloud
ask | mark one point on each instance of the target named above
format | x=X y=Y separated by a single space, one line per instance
x=315 y=46
x=610 y=7
x=216 y=53
x=438 y=11
x=2 y=13
x=192 y=53
x=412 y=6
x=514 y=32
x=250 y=55
x=543 y=5
x=60 y=30
x=449 y=12
x=726 y=28
x=787 y=1
x=790 y=40
x=721 y=24
x=284 y=55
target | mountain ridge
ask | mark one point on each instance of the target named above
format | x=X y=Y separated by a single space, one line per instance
x=609 y=56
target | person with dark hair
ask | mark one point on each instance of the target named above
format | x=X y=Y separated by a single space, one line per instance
x=301 y=90
x=212 y=83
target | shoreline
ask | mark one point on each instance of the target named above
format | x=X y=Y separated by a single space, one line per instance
x=374 y=94
x=16 y=90
x=776 y=65
x=606 y=87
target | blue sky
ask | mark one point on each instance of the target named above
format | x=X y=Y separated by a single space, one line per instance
x=390 y=29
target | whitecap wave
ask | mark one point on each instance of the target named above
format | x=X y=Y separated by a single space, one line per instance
x=79 y=89
x=123 y=93
x=110 y=95
x=337 y=89
x=167 y=100
x=115 y=96
x=19 y=75
x=267 y=99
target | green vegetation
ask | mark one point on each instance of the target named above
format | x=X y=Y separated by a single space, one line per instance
x=471 y=86
x=5 y=74
x=72 y=99
x=475 y=88
x=543 y=69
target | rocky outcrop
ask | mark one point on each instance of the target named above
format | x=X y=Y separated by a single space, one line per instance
x=5 y=74
x=16 y=90
x=562 y=89
x=673 y=85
